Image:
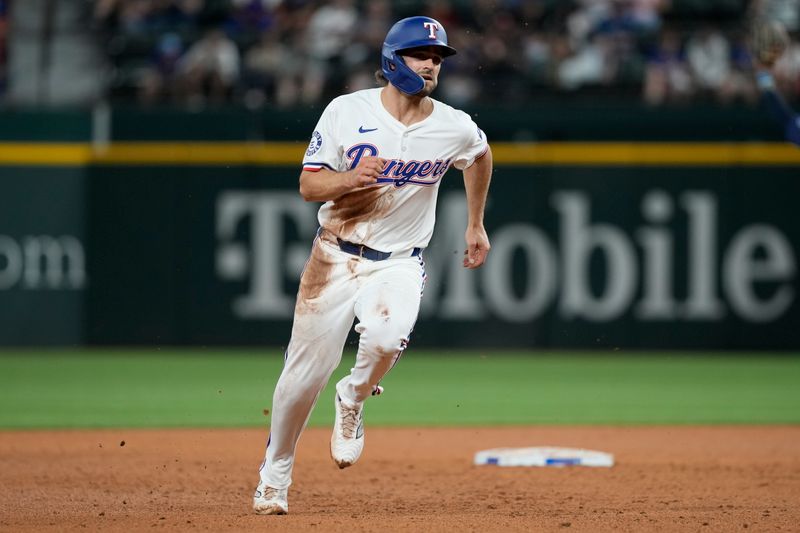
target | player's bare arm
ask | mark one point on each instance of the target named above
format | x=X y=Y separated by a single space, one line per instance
x=324 y=185
x=476 y=182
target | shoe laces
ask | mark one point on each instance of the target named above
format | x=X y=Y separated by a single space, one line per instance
x=271 y=493
x=350 y=419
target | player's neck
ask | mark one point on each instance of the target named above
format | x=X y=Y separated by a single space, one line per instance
x=406 y=109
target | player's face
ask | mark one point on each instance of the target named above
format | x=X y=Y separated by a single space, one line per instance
x=426 y=62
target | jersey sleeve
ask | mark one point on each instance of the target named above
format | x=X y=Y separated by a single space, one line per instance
x=793 y=130
x=475 y=145
x=323 y=151
x=781 y=111
x=778 y=107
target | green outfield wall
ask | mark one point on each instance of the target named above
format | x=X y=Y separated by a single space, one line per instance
x=199 y=238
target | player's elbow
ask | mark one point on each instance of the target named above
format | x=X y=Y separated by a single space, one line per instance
x=306 y=189
x=486 y=157
x=304 y=192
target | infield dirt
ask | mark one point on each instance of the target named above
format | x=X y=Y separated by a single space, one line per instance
x=666 y=479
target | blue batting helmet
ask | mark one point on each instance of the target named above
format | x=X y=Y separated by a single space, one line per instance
x=412 y=32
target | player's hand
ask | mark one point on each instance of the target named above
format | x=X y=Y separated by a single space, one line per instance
x=477 y=247
x=366 y=173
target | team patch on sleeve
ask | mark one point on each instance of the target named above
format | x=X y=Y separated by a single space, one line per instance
x=315 y=144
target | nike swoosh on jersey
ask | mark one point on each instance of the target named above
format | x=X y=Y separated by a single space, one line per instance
x=362 y=129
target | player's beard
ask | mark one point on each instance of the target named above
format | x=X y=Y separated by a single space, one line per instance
x=430 y=86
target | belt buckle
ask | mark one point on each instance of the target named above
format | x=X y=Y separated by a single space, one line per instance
x=361 y=249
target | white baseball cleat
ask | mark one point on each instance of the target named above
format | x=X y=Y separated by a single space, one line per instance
x=269 y=500
x=347 y=440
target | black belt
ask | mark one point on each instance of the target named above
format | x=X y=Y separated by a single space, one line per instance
x=369 y=253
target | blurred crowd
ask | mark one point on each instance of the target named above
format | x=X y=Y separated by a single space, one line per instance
x=296 y=52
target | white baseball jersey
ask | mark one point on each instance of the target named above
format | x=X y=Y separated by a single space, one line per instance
x=399 y=212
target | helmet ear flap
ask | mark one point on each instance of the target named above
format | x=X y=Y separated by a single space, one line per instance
x=397 y=72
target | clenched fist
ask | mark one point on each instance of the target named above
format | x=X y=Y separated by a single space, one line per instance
x=366 y=173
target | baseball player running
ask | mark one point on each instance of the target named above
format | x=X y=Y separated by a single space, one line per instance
x=376 y=159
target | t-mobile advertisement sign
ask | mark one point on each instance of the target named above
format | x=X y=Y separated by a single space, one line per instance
x=580 y=258
x=43 y=273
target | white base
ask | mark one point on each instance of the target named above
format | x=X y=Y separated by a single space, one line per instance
x=543 y=456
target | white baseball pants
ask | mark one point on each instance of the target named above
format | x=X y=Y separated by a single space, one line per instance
x=336 y=288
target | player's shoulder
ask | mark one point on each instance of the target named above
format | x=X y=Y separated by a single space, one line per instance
x=457 y=121
x=451 y=114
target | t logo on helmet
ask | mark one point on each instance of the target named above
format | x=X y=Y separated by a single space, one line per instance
x=432 y=27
